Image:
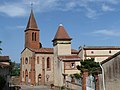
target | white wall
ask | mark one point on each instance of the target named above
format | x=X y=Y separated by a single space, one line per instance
x=98 y=55
x=26 y=54
x=38 y=67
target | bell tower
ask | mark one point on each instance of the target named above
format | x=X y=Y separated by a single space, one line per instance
x=62 y=42
x=62 y=46
x=32 y=33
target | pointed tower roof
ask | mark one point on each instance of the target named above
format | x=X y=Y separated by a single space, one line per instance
x=32 y=22
x=61 y=34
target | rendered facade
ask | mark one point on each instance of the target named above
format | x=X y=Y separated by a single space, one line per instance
x=99 y=53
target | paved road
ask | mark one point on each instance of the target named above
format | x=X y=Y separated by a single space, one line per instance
x=35 y=88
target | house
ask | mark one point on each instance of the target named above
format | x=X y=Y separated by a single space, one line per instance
x=99 y=53
x=4 y=66
x=5 y=70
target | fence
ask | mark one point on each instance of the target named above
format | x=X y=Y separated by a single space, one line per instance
x=73 y=86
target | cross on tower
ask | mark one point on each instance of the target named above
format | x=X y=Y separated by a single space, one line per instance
x=31 y=5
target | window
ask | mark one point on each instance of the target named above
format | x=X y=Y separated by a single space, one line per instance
x=20 y=60
x=38 y=60
x=109 y=51
x=48 y=63
x=29 y=75
x=39 y=76
x=73 y=65
x=33 y=36
x=26 y=60
x=23 y=74
x=92 y=52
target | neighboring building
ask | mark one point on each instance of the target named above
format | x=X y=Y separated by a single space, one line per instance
x=99 y=53
x=47 y=65
x=4 y=66
x=111 y=67
x=5 y=70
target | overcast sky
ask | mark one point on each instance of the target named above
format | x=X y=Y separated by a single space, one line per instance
x=88 y=22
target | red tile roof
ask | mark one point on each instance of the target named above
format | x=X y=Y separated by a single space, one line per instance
x=32 y=22
x=69 y=58
x=50 y=51
x=61 y=34
x=44 y=50
x=4 y=58
x=73 y=51
x=100 y=47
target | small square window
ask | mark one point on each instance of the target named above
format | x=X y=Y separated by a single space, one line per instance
x=110 y=52
x=92 y=52
x=73 y=65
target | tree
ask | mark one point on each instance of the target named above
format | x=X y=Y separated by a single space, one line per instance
x=90 y=65
x=14 y=69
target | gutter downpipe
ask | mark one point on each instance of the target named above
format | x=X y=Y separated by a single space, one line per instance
x=102 y=76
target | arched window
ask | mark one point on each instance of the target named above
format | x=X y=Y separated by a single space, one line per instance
x=29 y=75
x=48 y=63
x=38 y=60
x=26 y=60
x=33 y=36
x=73 y=65
x=39 y=76
x=23 y=74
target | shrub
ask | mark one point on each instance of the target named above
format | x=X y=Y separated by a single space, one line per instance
x=77 y=75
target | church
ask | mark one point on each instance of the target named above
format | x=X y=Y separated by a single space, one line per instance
x=39 y=65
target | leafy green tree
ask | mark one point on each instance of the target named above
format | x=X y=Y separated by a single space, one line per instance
x=90 y=65
x=14 y=69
